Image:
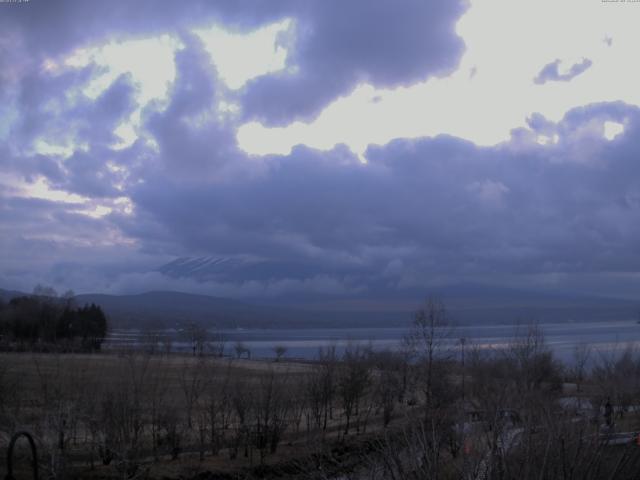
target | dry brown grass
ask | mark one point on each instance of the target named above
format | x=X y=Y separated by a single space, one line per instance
x=38 y=376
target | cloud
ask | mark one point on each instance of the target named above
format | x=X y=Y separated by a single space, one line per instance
x=418 y=210
x=190 y=135
x=555 y=199
x=331 y=46
x=47 y=29
x=493 y=79
x=551 y=72
x=490 y=192
x=421 y=203
x=148 y=281
x=337 y=45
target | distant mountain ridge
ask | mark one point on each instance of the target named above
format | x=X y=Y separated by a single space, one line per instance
x=466 y=304
x=165 y=308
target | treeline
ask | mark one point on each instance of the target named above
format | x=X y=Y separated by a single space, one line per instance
x=46 y=321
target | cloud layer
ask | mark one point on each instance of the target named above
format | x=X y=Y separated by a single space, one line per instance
x=557 y=204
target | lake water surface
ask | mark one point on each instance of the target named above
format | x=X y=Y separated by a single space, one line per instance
x=562 y=338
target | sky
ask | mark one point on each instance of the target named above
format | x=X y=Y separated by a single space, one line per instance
x=320 y=147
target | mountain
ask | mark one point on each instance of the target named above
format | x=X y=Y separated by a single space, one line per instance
x=170 y=309
x=175 y=308
x=236 y=269
x=472 y=303
x=466 y=304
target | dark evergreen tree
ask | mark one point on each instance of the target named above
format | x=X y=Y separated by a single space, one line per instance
x=28 y=320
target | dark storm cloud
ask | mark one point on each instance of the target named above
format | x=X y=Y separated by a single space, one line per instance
x=87 y=174
x=46 y=28
x=191 y=138
x=40 y=100
x=438 y=206
x=48 y=114
x=551 y=72
x=320 y=221
x=340 y=44
x=337 y=44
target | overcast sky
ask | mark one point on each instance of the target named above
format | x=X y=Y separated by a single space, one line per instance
x=351 y=146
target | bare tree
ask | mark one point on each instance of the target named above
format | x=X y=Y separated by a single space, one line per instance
x=218 y=343
x=328 y=361
x=156 y=399
x=280 y=351
x=581 y=355
x=387 y=382
x=616 y=376
x=241 y=349
x=197 y=337
x=167 y=343
x=192 y=383
x=427 y=339
x=61 y=388
x=242 y=402
x=122 y=415
x=150 y=340
x=270 y=411
x=216 y=404
x=353 y=380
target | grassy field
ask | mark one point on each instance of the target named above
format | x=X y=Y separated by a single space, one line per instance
x=194 y=413
x=373 y=415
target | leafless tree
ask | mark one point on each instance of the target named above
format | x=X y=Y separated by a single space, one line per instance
x=122 y=415
x=241 y=349
x=427 y=340
x=328 y=362
x=167 y=343
x=218 y=343
x=156 y=399
x=242 y=401
x=353 y=380
x=616 y=376
x=581 y=356
x=171 y=425
x=197 y=337
x=150 y=341
x=387 y=382
x=216 y=402
x=192 y=380
x=280 y=351
x=61 y=388
x=271 y=407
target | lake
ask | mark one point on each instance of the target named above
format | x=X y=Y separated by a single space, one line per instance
x=562 y=338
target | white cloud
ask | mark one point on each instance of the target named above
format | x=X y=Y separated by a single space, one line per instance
x=493 y=90
x=612 y=130
x=42 y=190
x=239 y=57
x=149 y=61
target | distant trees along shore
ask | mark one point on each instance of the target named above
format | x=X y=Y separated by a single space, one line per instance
x=43 y=322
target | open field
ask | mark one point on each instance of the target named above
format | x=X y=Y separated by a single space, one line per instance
x=180 y=414
x=421 y=413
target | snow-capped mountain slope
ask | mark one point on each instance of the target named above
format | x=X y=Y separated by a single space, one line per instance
x=202 y=267
x=235 y=269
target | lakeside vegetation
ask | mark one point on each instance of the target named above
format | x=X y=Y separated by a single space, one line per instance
x=46 y=322
x=424 y=411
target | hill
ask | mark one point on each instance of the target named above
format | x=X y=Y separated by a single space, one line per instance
x=466 y=304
